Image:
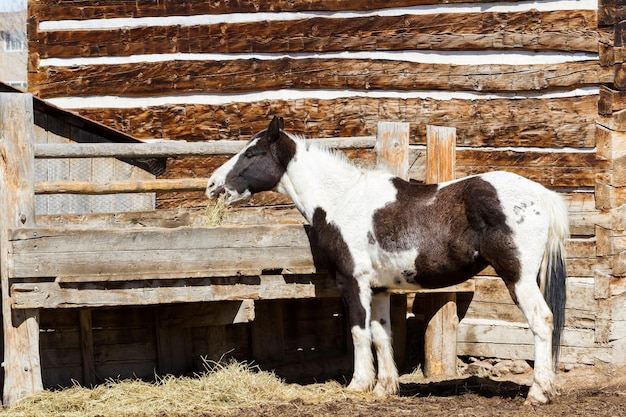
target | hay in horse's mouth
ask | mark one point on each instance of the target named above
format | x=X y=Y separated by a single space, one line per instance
x=215 y=211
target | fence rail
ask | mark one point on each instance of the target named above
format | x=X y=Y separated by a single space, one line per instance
x=154 y=150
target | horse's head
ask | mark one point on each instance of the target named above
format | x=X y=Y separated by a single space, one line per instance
x=259 y=166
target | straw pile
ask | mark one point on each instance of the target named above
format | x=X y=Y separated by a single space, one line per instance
x=223 y=389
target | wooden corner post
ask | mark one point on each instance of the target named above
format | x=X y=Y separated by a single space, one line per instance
x=22 y=370
x=392 y=144
x=440 y=308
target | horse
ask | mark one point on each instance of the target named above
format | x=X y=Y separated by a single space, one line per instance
x=380 y=232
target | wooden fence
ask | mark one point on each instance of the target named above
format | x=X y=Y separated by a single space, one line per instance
x=47 y=266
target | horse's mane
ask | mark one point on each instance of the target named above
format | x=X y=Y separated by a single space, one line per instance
x=315 y=146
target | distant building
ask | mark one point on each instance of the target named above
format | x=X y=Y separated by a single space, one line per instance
x=13 y=49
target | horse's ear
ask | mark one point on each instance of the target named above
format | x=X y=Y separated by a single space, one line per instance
x=273 y=132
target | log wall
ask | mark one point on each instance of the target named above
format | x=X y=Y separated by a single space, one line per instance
x=534 y=88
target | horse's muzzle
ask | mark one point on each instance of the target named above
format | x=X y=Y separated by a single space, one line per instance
x=215 y=192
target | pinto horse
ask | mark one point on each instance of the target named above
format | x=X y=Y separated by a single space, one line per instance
x=380 y=233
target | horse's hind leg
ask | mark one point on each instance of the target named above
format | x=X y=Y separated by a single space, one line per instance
x=530 y=300
x=381 y=333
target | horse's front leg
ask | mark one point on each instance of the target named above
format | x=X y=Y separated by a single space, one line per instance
x=381 y=334
x=358 y=298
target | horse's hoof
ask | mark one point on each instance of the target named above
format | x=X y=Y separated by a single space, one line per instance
x=359 y=386
x=536 y=397
x=385 y=390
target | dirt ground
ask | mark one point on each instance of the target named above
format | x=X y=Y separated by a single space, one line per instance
x=584 y=392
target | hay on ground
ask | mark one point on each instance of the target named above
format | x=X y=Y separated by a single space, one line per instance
x=223 y=387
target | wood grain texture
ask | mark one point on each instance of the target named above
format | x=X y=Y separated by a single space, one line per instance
x=104 y=9
x=248 y=75
x=561 y=122
x=22 y=366
x=572 y=31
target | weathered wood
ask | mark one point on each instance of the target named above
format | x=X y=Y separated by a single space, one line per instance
x=392 y=147
x=60 y=10
x=22 y=371
x=539 y=122
x=121 y=187
x=440 y=309
x=268 y=333
x=265 y=287
x=611 y=100
x=563 y=30
x=248 y=75
x=169 y=149
x=198 y=252
x=611 y=12
x=86 y=347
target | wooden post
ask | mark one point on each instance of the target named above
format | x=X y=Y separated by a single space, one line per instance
x=440 y=308
x=86 y=347
x=22 y=370
x=392 y=144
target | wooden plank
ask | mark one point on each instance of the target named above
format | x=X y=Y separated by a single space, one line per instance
x=270 y=287
x=562 y=30
x=169 y=149
x=393 y=147
x=249 y=75
x=267 y=332
x=440 y=309
x=120 y=187
x=86 y=347
x=22 y=369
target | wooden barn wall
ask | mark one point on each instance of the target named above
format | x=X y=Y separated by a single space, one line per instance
x=519 y=81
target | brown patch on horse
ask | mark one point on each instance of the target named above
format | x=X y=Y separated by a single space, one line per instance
x=454 y=241
x=328 y=237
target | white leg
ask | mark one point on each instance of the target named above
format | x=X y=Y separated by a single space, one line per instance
x=381 y=334
x=531 y=302
x=358 y=299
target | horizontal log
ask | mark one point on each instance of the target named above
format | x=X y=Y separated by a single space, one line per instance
x=554 y=122
x=121 y=187
x=563 y=30
x=252 y=75
x=53 y=295
x=173 y=148
x=66 y=9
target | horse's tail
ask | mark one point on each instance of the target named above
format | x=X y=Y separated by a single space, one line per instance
x=553 y=276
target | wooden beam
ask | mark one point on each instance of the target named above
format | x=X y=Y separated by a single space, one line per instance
x=392 y=147
x=121 y=187
x=22 y=369
x=172 y=148
x=440 y=309
x=86 y=347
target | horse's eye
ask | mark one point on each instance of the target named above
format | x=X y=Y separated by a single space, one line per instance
x=250 y=153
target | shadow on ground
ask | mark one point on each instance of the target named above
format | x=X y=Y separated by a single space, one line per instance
x=483 y=387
